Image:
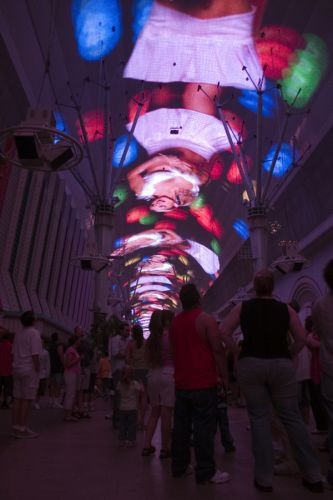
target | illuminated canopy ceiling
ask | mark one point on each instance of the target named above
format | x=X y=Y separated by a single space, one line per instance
x=179 y=215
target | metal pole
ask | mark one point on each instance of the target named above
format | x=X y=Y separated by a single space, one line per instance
x=259 y=146
x=123 y=156
x=103 y=235
x=86 y=143
x=245 y=178
x=275 y=157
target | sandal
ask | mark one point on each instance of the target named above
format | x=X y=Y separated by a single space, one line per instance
x=148 y=451
x=165 y=454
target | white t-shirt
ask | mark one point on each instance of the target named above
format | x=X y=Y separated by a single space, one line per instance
x=27 y=343
x=129 y=395
x=117 y=345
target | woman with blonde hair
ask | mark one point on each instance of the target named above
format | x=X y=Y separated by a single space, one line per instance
x=160 y=386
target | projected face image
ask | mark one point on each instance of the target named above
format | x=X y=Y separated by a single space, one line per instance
x=208 y=41
x=205 y=257
x=167 y=181
x=156 y=264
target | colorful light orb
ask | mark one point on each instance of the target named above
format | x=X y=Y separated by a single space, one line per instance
x=143 y=97
x=236 y=124
x=178 y=214
x=216 y=247
x=93 y=124
x=60 y=122
x=141 y=11
x=242 y=228
x=198 y=202
x=233 y=174
x=249 y=99
x=119 y=148
x=97 y=27
x=205 y=217
x=118 y=242
x=148 y=219
x=121 y=193
x=217 y=169
x=277 y=49
x=135 y=214
x=283 y=162
x=303 y=78
x=165 y=224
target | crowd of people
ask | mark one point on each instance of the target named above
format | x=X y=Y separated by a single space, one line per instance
x=181 y=374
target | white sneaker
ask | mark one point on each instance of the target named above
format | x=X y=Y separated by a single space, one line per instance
x=220 y=477
x=26 y=434
x=58 y=406
x=189 y=470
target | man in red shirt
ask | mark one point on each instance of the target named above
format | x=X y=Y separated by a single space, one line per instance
x=198 y=357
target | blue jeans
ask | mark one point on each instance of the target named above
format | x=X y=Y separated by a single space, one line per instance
x=223 y=425
x=327 y=393
x=195 y=409
x=267 y=382
x=127 y=425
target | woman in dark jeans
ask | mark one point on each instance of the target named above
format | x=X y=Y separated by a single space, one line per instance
x=267 y=378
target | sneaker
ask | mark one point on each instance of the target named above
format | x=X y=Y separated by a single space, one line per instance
x=187 y=472
x=315 y=487
x=286 y=469
x=262 y=488
x=57 y=406
x=36 y=406
x=220 y=477
x=26 y=434
x=14 y=431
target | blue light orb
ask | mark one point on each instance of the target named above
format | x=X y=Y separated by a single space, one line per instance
x=141 y=11
x=242 y=228
x=119 y=148
x=249 y=99
x=97 y=27
x=283 y=162
x=118 y=243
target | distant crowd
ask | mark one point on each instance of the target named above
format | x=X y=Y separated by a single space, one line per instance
x=186 y=375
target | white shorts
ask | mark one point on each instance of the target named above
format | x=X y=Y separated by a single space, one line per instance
x=198 y=132
x=176 y=47
x=25 y=385
x=161 y=387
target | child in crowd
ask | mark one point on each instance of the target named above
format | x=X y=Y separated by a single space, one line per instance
x=104 y=375
x=129 y=391
x=223 y=421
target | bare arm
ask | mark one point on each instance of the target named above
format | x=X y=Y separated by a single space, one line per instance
x=297 y=332
x=207 y=327
x=228 y=327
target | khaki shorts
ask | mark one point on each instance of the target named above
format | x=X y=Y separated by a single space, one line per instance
x=25 y=385
x=161 y=387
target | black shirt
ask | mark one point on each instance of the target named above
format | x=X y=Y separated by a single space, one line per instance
x=265 y=325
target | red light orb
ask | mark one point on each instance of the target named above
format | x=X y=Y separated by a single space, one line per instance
x=136 y=213
x=165 y=224
x=93 y=124
x=143 y=97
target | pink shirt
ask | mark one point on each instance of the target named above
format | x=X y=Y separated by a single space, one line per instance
x=72 y=355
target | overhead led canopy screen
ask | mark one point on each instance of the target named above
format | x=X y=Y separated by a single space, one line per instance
x=185 y=58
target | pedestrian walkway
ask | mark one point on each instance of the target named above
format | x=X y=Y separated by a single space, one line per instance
x=82 y=461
